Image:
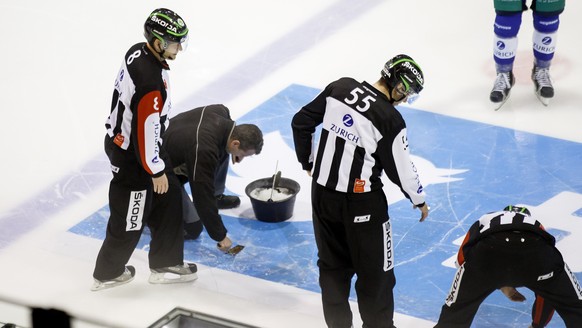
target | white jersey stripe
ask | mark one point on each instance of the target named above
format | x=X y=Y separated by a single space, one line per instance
x=325 y=166
x=345 y=167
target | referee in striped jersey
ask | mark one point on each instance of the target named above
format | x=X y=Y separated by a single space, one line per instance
x=362 y=136
x=510 y=248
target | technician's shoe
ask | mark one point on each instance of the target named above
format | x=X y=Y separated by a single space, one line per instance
x=225 y=202
x=124 y=278
x=543 y=84
x=502 y=88
x=174 y=274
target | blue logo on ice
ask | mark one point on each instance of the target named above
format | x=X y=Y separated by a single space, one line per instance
x=461 y=186
x=348 y=120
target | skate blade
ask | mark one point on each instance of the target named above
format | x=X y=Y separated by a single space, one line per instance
x=172 y=278
x=544 y=101
x=98 y=285
x=497 y=106
x=235 y=250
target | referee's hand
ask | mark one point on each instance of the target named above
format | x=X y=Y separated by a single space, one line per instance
x=512 y=294
x=161 y=184
x=424 y=211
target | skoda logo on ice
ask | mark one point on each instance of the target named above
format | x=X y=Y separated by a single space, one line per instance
x=348 y=120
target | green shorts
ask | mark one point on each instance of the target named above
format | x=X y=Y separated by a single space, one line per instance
x=544 y=6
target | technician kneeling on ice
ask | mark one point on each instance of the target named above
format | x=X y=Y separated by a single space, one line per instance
x=199 y=143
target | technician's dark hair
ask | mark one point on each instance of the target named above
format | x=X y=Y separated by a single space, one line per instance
x=249 y=136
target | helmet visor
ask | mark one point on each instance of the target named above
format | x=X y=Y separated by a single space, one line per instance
x=411 y=97
x=409 y=93
x=184 y=43
x=181 y=46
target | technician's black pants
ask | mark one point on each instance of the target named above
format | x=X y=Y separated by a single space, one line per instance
x=503 y=259
x=133 y=204
x=353 y=236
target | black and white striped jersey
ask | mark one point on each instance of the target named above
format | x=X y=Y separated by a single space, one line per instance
x=508 y=221
x=140 y=107
x=501 y=221
x=362 y=135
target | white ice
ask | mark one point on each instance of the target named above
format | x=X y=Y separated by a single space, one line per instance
x=61 y=57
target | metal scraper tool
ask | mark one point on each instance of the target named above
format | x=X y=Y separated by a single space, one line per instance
x=235 y=250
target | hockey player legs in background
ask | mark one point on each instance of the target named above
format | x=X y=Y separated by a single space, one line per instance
x=506 y=27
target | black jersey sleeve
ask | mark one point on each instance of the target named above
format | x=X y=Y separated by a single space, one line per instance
x=304 y=124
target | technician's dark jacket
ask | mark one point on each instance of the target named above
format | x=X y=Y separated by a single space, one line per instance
x=196 y=143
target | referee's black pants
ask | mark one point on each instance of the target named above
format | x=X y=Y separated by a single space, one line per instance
x=517 y=260
x=133 y=205
x=353 y=236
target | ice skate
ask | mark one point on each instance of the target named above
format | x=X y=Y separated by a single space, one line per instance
x=174 y=274
x=542 y=84
x=124 y=278
x=501 y=89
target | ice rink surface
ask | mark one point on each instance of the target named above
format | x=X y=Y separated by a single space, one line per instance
x=264 y=60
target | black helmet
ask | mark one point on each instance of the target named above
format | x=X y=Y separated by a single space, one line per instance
x=403 y=69
x=517 y=209
x=165 y=25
